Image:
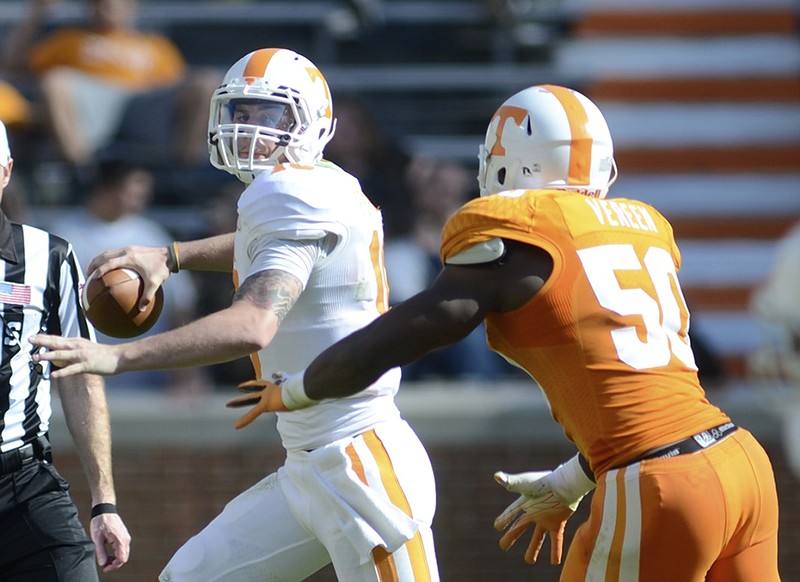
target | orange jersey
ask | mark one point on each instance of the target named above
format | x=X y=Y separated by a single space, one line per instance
x=607 y=336
x=131 y=59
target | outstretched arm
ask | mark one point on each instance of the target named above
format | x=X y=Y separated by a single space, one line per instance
x=456 y=302
x=20 y=39
x=437 y=317
x=248 y=325
x=431 y=319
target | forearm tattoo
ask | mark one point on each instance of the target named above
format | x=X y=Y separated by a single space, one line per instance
x=274 y=290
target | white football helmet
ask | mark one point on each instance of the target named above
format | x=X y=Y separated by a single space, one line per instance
x=270 y=96
x=547 y=137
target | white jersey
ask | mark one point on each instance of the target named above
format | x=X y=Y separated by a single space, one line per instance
x=344 y=289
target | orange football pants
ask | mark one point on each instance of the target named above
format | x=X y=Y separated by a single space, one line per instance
x=708 y=516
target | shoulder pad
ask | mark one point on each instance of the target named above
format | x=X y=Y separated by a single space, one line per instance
x=294 y=206
x=483 y=252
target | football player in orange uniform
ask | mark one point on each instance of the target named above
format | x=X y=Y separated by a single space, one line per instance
x=582 y=293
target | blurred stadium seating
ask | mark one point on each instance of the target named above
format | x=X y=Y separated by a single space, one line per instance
x=703 y=100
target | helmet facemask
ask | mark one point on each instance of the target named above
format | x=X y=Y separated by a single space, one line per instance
x=259 y=122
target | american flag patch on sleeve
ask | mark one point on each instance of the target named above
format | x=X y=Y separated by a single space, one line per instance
x=15 y=294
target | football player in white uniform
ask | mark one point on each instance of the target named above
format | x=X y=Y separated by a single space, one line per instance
x=357 y=487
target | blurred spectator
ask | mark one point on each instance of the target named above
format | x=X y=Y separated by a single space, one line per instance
x=14 y=201
x=437 y=189
x=776 y=305
x=710 y=368
x=775 y=364
x=215 y=289
x=112 y=218
x=23 y=120
x=15 y=109
x=370 y=12
x=105 y=83
x=353 y=17
x=363 y=148
x=528 y=28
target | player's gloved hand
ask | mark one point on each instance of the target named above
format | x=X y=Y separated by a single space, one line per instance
x=547 y=499
x=285 y=393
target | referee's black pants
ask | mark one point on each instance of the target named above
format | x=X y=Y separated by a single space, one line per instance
x=41 y=537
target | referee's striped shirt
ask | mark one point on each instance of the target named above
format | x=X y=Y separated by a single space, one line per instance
x=39 y=292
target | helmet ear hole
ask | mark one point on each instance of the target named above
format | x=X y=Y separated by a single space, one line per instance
x=501 y=176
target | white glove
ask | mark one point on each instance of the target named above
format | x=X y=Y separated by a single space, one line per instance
x=548 y=499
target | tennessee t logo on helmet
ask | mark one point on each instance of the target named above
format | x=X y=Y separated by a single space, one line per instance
x=547 y=136
x=273 y=106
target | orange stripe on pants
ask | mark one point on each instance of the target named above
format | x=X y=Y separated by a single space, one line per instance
x=384 y=561
x=708 y=516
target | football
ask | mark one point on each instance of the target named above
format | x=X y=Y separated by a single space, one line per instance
x=111 y=303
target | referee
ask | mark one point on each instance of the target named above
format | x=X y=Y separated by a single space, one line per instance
x=41 y=537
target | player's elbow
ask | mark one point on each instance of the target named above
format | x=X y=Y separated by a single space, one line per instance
x=254 y=327
x=256 y=333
